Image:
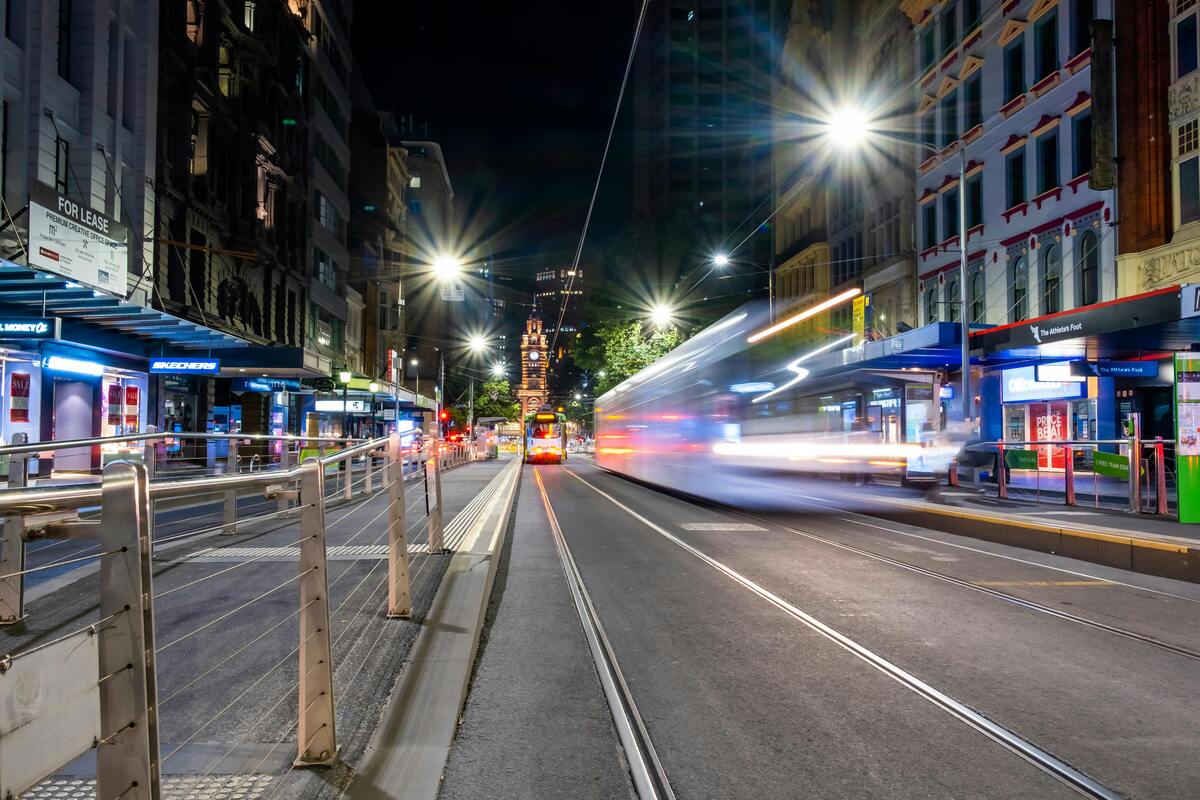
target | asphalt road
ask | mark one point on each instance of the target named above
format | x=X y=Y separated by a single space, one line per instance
x=758 y=651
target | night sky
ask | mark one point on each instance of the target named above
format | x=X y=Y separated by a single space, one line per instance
x=520 y=96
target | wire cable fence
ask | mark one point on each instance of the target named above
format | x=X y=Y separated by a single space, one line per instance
x=202 y=637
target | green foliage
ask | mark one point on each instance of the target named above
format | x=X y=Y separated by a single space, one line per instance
x=620 y=349
x=495 y=398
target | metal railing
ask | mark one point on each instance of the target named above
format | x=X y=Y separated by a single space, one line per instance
x=114 y=661
x=1146 y=484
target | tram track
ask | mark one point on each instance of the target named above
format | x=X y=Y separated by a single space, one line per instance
x=1027 y=750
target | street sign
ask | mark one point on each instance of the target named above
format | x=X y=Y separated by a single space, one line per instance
x=1114 y=369
x=1021 y=459
x=452 y=293
x=1114 y=465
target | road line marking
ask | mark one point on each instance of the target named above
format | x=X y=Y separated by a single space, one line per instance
x=720 y=526
x=1041 y=583
x=1001 y=735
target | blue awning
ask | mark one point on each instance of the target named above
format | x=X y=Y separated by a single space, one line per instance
x=936 y=346
x=101 y=321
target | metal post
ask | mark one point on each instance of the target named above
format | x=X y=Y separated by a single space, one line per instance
x=1135 y=465
x=1069 y=475
x=369 y=483
x=399 y=593
x=12 y=547
x=952 y=477
x=285 y=463
x=229 y=512
x=317 y=745
x=127 y=763
x=347 y=474
x=1160 y=475
x=1002 y=472
x=437 y=540
x=964 y=311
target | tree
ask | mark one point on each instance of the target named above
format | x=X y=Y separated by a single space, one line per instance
x=495 y=398
x=618 y=350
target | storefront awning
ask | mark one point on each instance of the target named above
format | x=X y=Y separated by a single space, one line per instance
x=1143 y=325
x=931 y=347
x=101 y=321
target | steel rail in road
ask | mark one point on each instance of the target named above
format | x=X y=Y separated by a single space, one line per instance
x=987 y=590
x=1048 y=763
x=649 y=777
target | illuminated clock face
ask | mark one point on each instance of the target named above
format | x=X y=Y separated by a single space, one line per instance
x=534 y=355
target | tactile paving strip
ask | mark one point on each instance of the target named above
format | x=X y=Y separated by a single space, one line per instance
x=339 y=553
x=174 y=787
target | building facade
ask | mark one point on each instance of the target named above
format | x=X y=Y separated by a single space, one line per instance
x=533 y=392
x=701 y=100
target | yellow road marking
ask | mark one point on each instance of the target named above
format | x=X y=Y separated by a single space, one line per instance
x=1041 y=583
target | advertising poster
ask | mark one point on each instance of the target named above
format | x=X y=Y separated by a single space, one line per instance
x=75 y=241
x=115 y=401
x=1187 y=435
x=131 y=407
x=18 y=395
x=1049 y=424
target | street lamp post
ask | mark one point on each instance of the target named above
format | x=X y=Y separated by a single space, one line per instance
x=374 y=387
x=721 y=260
x=849 y=127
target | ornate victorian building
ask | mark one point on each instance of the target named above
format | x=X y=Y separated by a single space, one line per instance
x=534 y=352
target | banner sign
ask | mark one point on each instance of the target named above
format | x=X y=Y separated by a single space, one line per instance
x=18 y=397
x=862 y=317
x=72 y=240
x=1020 y=385
x=351 y=406
x=1021 y=459
x=266 y=385
x=131 y=407
x=1187 y=435
x=31 y=328
x=1114 y=465
x=186 y=366
x=116 y=402
x=1114 y=369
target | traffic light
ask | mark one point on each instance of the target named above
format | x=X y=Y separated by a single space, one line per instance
x=444 y=416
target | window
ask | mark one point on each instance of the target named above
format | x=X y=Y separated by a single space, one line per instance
x=974 y=201
x=1089 y=268
x=1015 y=173
x=978 y=310
x=949 y=30
x=928 y=51
x=1045 y=53
x=64 y=39
x=950 y=212
x=931 y=305
x=970 y=19
x=1018 y=282
x=226 y=80
x=1189 y=190
x=1186 y=58
x=1081 y=137
x=929 y=129
x=62 y=164
x=929 y=224
x=949 y=118
x=1082 y=14
x=973 y=102
x=14 y=21
x=1047 y=151
x=325 y=268
x=327 y=214
x=129 y=84
x=249 y=14
x=1052 y=301
x=953 y=297
x=1014 y=70
x=193 y=21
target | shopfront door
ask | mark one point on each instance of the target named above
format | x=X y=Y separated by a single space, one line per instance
x=73 y=420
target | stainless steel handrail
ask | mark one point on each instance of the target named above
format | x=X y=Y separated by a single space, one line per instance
x=75 y=496
x=63 y=444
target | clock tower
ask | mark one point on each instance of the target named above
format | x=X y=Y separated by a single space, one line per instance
x=534 y=352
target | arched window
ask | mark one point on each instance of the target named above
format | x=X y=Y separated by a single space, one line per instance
x=953 y=297
x=1018 y=284
x=977 y=307
x=931 y=305
x=1052 y=300
x=1089 y=268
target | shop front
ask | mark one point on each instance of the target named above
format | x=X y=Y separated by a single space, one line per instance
x=1039 y=410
